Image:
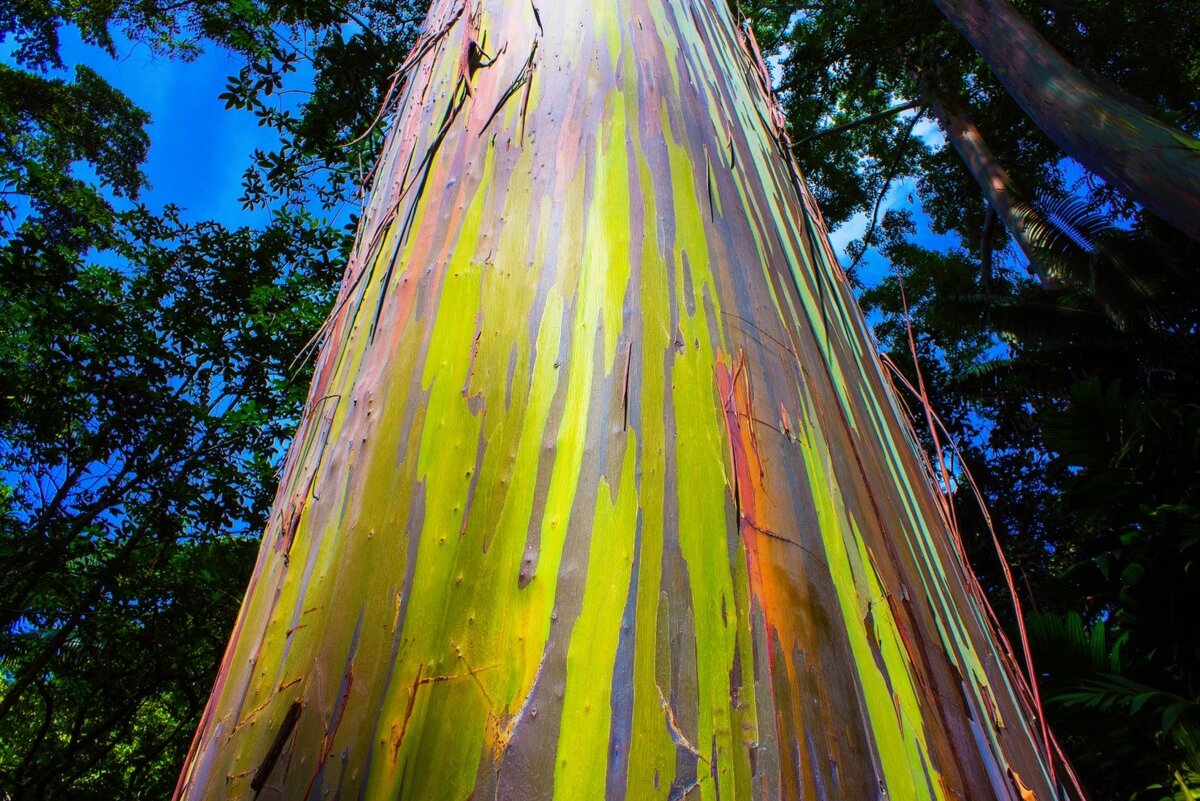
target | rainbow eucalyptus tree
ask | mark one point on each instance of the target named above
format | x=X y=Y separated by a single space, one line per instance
x=600 y=491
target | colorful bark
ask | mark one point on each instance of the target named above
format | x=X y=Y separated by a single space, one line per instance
x=601 y=492
x=1151 y=163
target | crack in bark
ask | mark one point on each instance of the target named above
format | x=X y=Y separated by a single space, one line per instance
x=673 y=729
x=505 y=737
x=625 y=390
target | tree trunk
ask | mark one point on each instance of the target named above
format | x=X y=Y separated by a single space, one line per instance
x=987 y=238
x=1151 y=163
x=990 y=174
x=600 y=492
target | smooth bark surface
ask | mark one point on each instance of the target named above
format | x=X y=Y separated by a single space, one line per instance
x=600 y=491
x=1151 y=163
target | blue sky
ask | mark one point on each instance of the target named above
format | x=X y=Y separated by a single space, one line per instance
x=198 y=149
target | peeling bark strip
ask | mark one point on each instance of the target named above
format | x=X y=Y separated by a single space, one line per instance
x=272 y=756
x=615 y=488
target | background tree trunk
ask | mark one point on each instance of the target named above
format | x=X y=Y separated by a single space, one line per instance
x=1151 y=163
x=600 y=491
x=989 y=173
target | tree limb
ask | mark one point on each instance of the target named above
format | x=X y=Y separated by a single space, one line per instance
x=846 y=126
x=889 y=176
